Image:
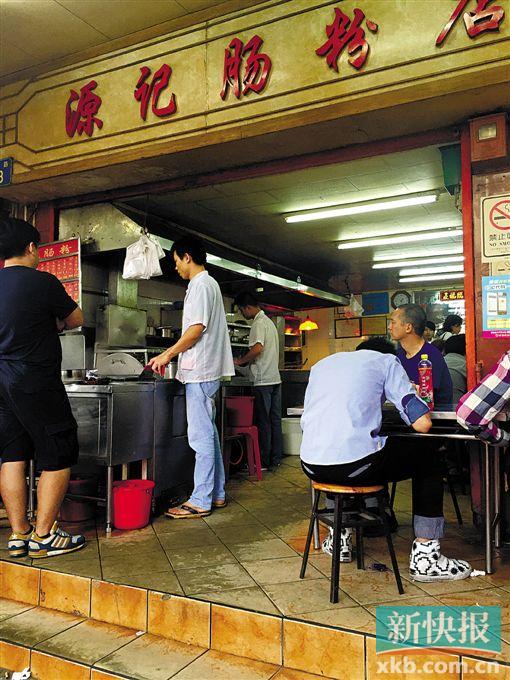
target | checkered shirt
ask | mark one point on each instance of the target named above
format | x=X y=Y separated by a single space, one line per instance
x=477 y=409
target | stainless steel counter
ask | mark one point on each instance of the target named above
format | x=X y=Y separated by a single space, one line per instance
x=123 y=422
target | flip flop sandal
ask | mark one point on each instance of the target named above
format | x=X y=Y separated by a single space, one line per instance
x=220 y=504
x=191 y=513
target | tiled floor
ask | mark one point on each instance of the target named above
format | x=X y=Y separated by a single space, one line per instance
x=248 y=555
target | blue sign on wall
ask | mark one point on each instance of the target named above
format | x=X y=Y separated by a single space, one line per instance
x=375 y=303
x=5 y=171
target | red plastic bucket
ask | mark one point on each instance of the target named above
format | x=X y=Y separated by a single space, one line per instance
x=239 y=411
x=132 y=500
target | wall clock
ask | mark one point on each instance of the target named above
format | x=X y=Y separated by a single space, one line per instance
x=400 y=297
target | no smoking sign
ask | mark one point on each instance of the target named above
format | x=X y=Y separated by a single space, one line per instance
x=495 y=214
x=499 y=215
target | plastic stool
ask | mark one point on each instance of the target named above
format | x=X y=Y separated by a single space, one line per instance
x=251 y=435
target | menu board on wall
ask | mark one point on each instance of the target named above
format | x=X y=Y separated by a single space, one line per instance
x=62 y=259
x=347 y=328
x=375 y=325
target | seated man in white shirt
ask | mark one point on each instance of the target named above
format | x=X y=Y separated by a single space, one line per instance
x=341 y=444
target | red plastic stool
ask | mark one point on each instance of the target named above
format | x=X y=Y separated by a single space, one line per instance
x=251 y=435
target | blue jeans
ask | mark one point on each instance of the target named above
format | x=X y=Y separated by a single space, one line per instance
x=209 y=478
x=268 y=419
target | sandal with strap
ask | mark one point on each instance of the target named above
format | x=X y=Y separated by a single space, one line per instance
x=220 y=504
x=190 y=513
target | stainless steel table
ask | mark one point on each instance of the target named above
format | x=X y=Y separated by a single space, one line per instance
x=444 y=426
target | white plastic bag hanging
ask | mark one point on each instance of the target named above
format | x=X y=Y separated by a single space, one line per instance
x=354 y=309
x=142 y=259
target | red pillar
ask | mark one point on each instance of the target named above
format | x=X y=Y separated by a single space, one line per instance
x=469 y=264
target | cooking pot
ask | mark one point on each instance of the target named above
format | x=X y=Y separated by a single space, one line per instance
x=69 y=376
x=165 y=331
x=171 y=371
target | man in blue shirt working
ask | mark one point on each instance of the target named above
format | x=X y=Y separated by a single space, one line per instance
x=341 y=444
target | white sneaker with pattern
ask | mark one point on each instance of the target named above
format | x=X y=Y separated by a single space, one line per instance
x=426 y=564
x=345 y=544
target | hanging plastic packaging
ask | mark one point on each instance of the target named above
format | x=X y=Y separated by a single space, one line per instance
x=142 y=258
x=354 y=309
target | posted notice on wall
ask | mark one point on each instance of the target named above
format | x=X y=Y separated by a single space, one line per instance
x=495 y=305
x=495 y=214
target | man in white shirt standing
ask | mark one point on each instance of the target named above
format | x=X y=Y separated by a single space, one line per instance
x=267 y=383
x=204 y=358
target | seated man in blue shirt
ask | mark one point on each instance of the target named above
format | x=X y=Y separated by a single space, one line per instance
x=341 y=445
x=407 y=324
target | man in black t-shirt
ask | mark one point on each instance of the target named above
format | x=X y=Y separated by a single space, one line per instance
x=35 y=415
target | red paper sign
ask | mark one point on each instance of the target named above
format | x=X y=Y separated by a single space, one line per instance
x=62 y=259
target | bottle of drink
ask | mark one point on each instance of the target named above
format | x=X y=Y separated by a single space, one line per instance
x=425 y=383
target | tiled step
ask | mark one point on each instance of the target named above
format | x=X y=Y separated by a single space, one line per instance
x=59 y=646
x=74 y=628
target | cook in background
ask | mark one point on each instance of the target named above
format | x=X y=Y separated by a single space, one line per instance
x=267 y=388
x=35 y=414
x=205 y=357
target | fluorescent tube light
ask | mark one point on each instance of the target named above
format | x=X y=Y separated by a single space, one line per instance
x=408 y=238
x=416 y=271
x=450 y=250
x=363 y=207
x=431 y=277
x=422 y=261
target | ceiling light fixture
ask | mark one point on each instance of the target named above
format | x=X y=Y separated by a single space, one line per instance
x=433 y=252
x=431 y=277
x=363 y=207
x=408 y=238
x=422 y=261
x=416 y=271
x=308 y=325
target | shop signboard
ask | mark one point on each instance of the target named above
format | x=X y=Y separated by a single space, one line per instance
x=449 y=295
x=495 y=227
x=495 y=306
x=62 y=259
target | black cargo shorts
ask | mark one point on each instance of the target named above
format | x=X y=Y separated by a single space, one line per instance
x=37 y=423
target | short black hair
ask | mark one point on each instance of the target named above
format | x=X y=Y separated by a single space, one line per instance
x=193 y=245
x=15 y=236
x=456 y=345
x=430 y=325
x=450 y=321
x=414 y=315
x=439 y=343
x=378 y=344
x=246 y=299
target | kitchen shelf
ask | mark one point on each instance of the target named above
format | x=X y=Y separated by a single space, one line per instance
x=238 y=325
x=239 y=344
